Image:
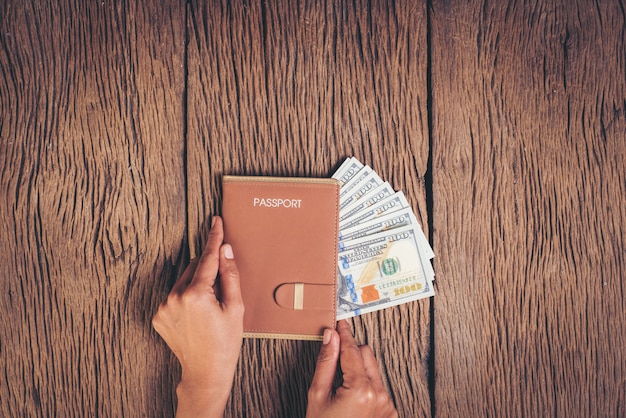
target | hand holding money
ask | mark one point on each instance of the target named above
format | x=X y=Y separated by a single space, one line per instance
x=361 y=394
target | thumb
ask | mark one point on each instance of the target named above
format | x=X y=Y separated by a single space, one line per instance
x=229 y=279
x=322 y=384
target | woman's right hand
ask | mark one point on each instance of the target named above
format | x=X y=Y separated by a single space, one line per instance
x=362 y=393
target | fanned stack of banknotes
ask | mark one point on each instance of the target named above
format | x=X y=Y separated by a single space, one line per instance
x=384 y=256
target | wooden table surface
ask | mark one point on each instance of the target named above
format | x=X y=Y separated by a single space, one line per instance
x=502 y=121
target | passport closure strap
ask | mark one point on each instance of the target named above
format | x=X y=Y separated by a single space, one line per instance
x=299 y=296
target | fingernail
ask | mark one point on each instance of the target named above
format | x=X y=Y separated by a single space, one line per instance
x=213 y=221
x=327 y=335
x=228 y=252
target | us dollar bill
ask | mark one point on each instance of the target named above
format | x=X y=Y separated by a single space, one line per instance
x=389 y=204
x=347 y=170
x=424 y=249
x=397 y=219
x=360 y=190
x=380 y=271
x=354 y=181
x=372 y=197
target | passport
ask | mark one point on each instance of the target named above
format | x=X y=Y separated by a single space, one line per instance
x=284 y=234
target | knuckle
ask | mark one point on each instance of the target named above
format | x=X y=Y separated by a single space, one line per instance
x=351 y=349
x=315 y=394
x=159 y=321
x=156 y=322
x=366 y=396
x=230 y=266
x=366 y=349
x=325 y=356
x=205 y=257
x=208 y=256
x=190 y=297
x=382 y=399
x=232 y=272
x=369 y=394
x=158 y=316
x=173 y=299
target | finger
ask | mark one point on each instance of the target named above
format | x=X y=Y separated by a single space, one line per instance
x=206 y=272
x=184 y=280
x=371 y=368
x=229 y=278
x=322 y=384
x=350 y=355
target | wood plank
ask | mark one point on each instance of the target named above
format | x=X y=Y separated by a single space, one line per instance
x=528 y=190
x=292 y=88
x=92 y=205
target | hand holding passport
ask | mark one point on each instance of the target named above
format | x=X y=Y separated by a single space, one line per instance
x=286 y=239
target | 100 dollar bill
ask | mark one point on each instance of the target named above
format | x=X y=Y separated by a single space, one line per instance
x=347 y=170
x=378 y=208
x=373 y=196
x=381 y=271
x=424 y=250
x=359 y=190
x=401 y=218
x=397 y=219
x=354 y=181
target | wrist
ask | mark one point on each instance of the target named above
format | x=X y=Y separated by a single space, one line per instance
x=198 y=399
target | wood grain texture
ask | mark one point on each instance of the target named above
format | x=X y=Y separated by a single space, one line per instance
x=528 y=190
x=92 y=204
x=117 y=121
x=292 y=88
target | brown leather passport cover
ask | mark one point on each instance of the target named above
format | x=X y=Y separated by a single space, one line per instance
x=284 y=236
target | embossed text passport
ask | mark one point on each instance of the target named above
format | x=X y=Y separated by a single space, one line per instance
x=284 y=234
